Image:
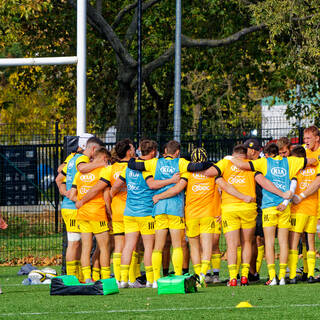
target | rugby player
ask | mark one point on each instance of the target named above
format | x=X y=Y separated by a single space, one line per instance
x=284 y=145
x=92 y=216
x=79 y=161
x=280 y=171
x=303 y=219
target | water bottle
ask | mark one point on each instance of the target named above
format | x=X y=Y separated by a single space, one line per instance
x=35 y=281
x=26 y=281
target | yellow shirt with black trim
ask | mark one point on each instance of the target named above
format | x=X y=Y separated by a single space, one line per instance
x=94 y=209
x=242 y=180
x=82 y=159
x=295 y=164
x=118 y=202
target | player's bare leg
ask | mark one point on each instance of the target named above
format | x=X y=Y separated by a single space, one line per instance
x=177 y=253
x=160 y=241
x=103 y=244
x=269 y=238
x=86 y=239
x=233 y=240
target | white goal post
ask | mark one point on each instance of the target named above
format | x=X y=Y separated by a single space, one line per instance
x=79 y=60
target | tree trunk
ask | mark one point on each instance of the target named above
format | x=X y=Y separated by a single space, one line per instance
x=125 y=111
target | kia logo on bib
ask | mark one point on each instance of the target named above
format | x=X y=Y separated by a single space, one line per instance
x=237 y=180
x=200 y=187
x=235 y=169
x=133 y=174
x=167 y=169
x=87 y=177
x=197 y=175
x=308 y=172
x=279 y=172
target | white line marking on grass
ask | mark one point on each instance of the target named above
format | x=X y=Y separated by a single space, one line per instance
x=153 y=310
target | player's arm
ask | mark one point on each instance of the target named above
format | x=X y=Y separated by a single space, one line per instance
x=170 y=192
x=85 y=167
x=269 y=186
x=311 y=162
x=293 y=185
x=118 y=184
x=98 y=187
x=107 y=200
x=137 y=165
x=60 y=168
x=233 y=191
x=72 y=193
x=59 y=181
x=158 y=184
x=239 y=163
x=312 y=188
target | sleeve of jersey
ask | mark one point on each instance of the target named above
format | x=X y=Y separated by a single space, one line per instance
x=198 y=166
x=150 y=165
x=183 y=165
x=185 y=176
x=146 y=175
x=296 y=164
x=259 y=165
x=134 y=165
x=82 y=159
x=108 y=174
x=68 y=158
x=220 y=166
x=64 y=170
x=123 y=175
x=104 y=176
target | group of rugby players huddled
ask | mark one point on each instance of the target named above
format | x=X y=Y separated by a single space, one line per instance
x=137 y=207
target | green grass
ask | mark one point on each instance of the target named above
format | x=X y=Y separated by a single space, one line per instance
x=34 y=302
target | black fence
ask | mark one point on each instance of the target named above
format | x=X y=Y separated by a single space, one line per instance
x=29 y=199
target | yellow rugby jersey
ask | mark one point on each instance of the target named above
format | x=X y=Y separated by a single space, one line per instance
x=81 y=159
x=118 y=203
x=151 y=165
x=295 y=164
x=69 y=157
x=201 y=198
x=95 y=209
x=313 y=154
x=242 y=180
x=307 y=206
x=145 y=174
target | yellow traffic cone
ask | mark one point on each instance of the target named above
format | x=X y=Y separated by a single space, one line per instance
x=244 y=304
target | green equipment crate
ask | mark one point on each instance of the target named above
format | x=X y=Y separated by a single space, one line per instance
x=70 y=285
x=177 y=284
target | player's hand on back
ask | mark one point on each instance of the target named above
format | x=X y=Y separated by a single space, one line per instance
x=155 y=199
x=248 y=199
x=296 y=199
x=287 y=195
x=176 y=177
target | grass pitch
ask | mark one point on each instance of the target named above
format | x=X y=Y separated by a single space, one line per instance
x=219 y=302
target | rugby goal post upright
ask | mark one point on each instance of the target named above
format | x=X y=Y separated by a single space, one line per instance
x=79 y=60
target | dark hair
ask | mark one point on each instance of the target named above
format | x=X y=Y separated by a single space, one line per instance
x=240 y=149
x=299 y=151
x=103 y=151
x=283 y=142
x=271 y=149
x=146 y=146
x=122 y=147
x=172 y=146
x=96 y=141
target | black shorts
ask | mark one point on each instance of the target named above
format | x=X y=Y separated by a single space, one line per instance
x=259 y=229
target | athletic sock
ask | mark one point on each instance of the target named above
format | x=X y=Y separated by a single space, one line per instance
x=216 y=261
x=259 y=258
x=124 y=271
x=205 y=265
x=149 y=274
x=86 y=271
x=72 y=268
x=293 y=261
x=232 y=271
x=245 y=269
x=311 y=259
x=156 y=264
x=282 y=271
x=238 y=259
x=96 y=274
x=271 y=271
x=305 y=259
x=197 y=268
x=79 y=274
x=116 y=265
x=133 y=264
x=105 y=272
x=177 y=260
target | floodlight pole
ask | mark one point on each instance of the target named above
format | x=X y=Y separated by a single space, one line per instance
x=177 y=76
x=81 y=66
x=139 y=78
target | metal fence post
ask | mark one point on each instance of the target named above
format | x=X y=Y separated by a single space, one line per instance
x=56 y=164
